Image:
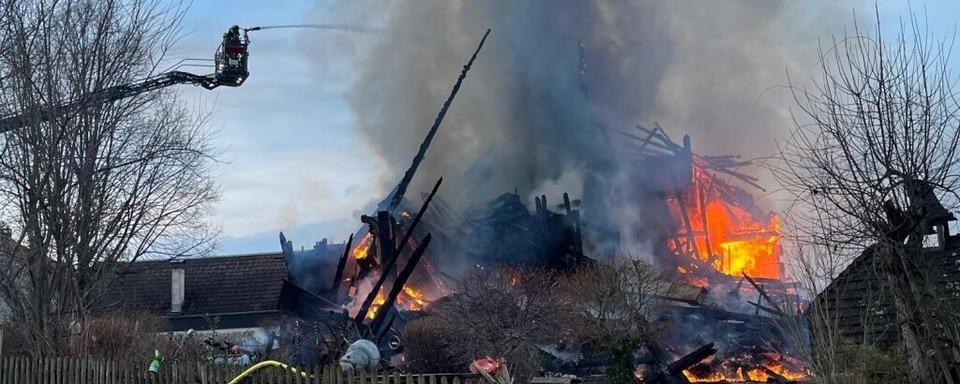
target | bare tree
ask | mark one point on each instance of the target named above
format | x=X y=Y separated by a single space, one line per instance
x=86 y=189
x=875 y=139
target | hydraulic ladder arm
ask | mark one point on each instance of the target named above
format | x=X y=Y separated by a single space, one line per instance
x=110 y=94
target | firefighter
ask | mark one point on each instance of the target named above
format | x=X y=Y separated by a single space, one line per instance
x=232 y=37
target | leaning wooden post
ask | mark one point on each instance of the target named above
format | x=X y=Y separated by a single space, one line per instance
x=419 y=215
x=382 y=229
x=399 y=283
x=397 y=196
x=338 y=277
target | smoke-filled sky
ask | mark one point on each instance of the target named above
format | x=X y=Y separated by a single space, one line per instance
x=329 y=120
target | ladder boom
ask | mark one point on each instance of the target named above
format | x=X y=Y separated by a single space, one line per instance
x=107 y=95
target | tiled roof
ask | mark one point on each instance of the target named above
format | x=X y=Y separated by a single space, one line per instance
x=213 y=285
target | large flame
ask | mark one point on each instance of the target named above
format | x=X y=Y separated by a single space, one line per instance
x=726 y=235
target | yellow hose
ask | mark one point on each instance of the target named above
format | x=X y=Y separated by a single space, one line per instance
x=262 y=364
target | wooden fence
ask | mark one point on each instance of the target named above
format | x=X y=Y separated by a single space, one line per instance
x=56 y=370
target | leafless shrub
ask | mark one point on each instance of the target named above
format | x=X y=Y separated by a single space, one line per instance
x=616 y=300
x=424 y=348
x=126 y=336
x=505 y=313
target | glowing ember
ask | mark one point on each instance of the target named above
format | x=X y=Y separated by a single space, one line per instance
x=759 y=374
x=760 y=367
x=726 y=235
x=362 y=250
x=514 y=277
x=409 y=299
x=375 y=307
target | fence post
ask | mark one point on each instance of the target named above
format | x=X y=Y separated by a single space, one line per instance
x=35 y=364
x=47 y=369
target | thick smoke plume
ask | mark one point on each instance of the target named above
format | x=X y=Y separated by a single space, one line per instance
x=539 y=111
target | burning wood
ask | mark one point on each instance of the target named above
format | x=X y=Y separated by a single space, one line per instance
x=724 y=232
x=765 y=367
x=662 y=372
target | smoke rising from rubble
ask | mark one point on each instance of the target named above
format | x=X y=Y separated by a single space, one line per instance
x=529 y=117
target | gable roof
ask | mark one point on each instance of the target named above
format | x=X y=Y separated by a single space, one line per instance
x=213 y=285
x=859 y=300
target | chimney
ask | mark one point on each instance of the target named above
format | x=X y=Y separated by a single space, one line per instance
x=176 y=289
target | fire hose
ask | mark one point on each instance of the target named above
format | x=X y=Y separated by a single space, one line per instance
x=264 y=364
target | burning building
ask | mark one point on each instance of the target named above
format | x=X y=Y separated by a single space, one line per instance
x=661 y=200
x=720 y=250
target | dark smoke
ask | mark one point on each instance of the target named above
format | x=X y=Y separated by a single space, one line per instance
x=531 y=114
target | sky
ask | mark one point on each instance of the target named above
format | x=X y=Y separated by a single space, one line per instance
x=291 y=160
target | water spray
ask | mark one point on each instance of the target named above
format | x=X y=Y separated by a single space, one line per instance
x=333 y=27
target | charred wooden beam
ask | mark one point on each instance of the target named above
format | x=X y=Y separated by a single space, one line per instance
x=397 y=195
x=338 y=277
x=763 y=294
x=663 y=372
x=760 y=307
x=702 y=200
x=416 y=219
x=310 y=294
x=382 y=229
x=399 y=283
x=287 y=247
x=383 y=332
x=691 y=236
x=678 y=366
x=775 y=377
x=388 y=265
x=385 y=238
x=578 y=233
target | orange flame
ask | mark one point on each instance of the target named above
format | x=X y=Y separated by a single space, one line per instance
x=726 y=235
x=773 y=365
x=758 y=374
x=412 y=299
x=362 y=250
x=409 y=299
x=375 y=307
